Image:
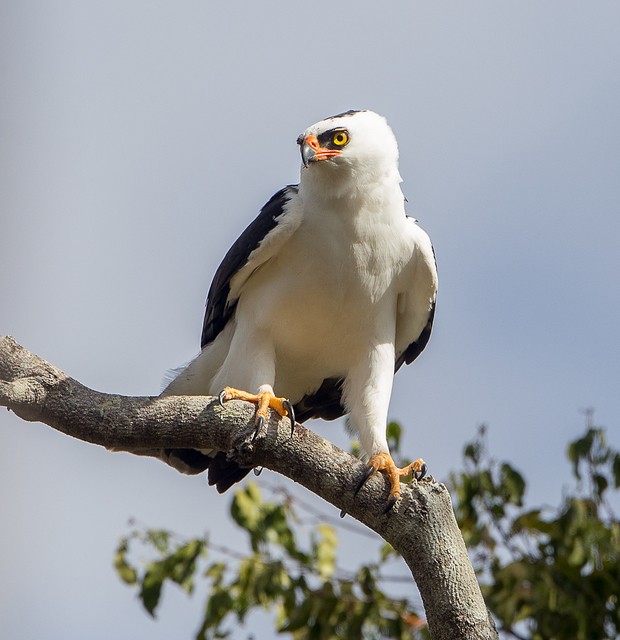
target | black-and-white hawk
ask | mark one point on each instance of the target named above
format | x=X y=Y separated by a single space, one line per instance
x=324 y=296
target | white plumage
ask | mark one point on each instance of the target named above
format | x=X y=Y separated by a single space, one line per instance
x=328 y=291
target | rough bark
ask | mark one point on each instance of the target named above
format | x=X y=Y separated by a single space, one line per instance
x=422 y=527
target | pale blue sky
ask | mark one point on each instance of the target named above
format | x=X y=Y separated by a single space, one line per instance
x=137 y=139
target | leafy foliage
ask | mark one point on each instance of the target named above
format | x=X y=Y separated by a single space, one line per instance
x=546 y=573
x=311 y=597
x=177 y=565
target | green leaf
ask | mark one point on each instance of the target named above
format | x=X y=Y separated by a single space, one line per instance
x=125 y=571
x=366 y=580
x=474 y=451
x=159 y=538
x=181 y=565
x=245 y=507
x=219 y=605
x=581 y=449
x=298 y=618
x=600 y=483
x=215 y=572
x=513 y=484
x=150 y=591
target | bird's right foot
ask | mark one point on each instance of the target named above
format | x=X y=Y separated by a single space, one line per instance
x=264 y=399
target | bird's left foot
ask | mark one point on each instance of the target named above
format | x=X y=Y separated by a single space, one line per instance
x=383 y=462
x=264 y=399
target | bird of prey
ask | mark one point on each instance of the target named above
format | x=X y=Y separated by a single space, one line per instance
x=324 y=296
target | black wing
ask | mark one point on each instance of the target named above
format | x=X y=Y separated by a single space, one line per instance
x=416 y=348
x=220 y=307
x=325 y=402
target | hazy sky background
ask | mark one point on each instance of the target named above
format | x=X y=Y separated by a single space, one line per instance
x=138 y=139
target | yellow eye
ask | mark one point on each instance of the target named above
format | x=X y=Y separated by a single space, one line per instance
x=340 y=138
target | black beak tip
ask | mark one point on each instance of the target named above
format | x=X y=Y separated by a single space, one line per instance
x=307 y=153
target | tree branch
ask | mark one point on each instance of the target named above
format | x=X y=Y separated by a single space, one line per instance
x=422 y=527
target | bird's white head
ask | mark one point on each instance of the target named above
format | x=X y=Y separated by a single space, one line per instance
x=348 y=150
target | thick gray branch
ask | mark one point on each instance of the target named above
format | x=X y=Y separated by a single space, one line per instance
x=422 y=527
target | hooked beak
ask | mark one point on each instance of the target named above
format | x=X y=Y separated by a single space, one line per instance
x=312 y=151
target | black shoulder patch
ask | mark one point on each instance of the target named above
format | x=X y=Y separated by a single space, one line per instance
x=219 y=308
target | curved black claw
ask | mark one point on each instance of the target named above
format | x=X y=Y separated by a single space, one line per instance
x=343 y=513
x=288 y=405
x=260 y=423
x=390 y=505
x=258 y=471
x=222 y=397
x=367 y=474
x=421 y=473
